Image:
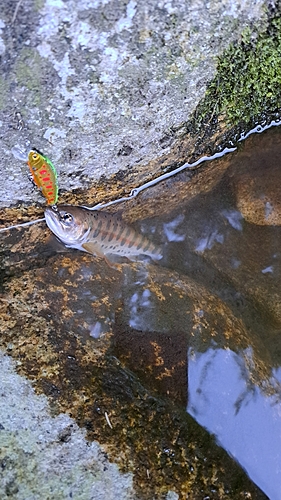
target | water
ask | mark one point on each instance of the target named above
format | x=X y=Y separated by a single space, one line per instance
x=245 y=419
x=203 y=327
x=227 y=241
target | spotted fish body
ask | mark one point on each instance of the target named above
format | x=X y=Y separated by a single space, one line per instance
x=99 y=233
x=44 y=176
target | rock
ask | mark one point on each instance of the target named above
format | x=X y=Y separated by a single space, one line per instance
x=105 y=88
x=255 y=177
x=47 y=318
x=58 y=455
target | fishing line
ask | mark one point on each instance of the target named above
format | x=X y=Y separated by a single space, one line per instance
x=138 y=190
x=16 y=11
x=22 y=224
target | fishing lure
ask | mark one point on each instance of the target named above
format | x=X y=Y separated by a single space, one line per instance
x=44 y=175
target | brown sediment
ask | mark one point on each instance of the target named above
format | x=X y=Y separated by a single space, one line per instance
x=42 y=329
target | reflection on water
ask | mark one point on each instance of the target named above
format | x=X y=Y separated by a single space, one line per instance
x=247 y=423
x=228 y=242
x=203 y=327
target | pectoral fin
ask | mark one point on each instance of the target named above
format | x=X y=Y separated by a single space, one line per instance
x=93 y=248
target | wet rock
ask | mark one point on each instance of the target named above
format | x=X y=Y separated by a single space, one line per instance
x=90 y=83
x=250 y=253
x=48 y=456
x=255 y=178
x=43 y=328
x=108 y=92
x=162 y=315
x=225 y=239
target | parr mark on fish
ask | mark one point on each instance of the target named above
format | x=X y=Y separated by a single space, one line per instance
x=99 y=233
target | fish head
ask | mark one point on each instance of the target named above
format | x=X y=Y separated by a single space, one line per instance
x=68 y=223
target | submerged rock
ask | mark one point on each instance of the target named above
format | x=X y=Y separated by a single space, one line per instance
x=46 y=323
x=255 y=178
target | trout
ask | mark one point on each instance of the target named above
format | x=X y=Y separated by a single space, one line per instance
x=99 y=233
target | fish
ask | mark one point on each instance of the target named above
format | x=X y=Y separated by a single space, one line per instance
x=99 y=233
x=44 y=175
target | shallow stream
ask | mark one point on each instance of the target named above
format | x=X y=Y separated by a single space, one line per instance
x=202 y=327
x=228 y=240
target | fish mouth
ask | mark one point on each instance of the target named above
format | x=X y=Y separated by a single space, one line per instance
x=52 y=217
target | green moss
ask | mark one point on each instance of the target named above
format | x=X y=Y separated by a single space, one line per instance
x=248 y=81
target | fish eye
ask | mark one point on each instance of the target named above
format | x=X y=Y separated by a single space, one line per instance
x=35 y=156
x=67 y=218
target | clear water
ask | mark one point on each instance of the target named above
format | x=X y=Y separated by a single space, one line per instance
x=204 y=326
x=224 y=241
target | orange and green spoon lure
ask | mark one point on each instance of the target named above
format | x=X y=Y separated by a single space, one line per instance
x=44 y=175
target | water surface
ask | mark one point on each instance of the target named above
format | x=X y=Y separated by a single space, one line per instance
x=228 y=241
x=201 y=329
